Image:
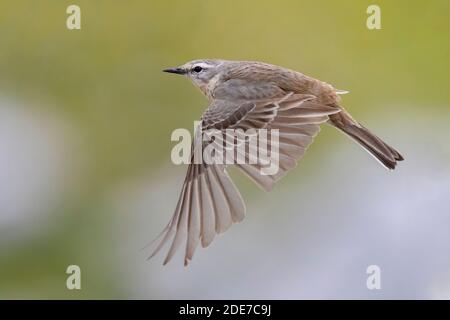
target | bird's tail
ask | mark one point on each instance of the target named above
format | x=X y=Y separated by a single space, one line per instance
x=383 y=152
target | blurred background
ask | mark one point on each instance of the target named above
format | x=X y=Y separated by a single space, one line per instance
x=85 y=171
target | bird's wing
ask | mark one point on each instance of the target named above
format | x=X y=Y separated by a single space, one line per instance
x=297 y=118
x=209 y=202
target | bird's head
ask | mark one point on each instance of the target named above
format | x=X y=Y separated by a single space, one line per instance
x=200 y=72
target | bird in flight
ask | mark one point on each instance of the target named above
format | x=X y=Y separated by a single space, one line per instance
x=253 y=95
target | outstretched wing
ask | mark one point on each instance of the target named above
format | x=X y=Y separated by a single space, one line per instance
x=209 y=202
x=297 y=118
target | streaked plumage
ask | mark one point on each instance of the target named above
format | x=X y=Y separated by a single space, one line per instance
x=245 y=95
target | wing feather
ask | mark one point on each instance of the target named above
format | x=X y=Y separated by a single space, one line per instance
x=208 y=218
x=181 y=226
x=193 y=235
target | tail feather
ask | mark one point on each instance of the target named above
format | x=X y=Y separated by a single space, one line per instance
x=383 y=152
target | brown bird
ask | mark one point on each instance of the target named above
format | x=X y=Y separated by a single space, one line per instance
x=253 y=95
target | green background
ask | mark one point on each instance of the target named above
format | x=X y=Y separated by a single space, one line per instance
x=99 y=96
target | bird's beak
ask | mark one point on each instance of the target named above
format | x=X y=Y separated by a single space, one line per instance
x=176 y=70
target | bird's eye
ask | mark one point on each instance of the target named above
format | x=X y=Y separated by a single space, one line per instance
x=197 y=69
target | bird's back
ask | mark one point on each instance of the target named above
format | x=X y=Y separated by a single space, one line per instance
x=265 y=77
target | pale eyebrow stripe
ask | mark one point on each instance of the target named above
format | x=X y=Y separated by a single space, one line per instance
x=202 y=64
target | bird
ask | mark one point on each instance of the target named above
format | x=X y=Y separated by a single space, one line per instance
x=253 y=95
